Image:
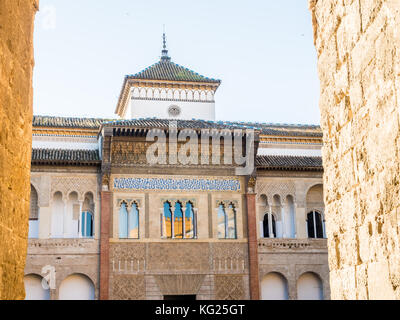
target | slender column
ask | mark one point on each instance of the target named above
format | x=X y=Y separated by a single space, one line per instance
x=173 y=220
x=323 y=225
x=162 y=224
x=253 y=243
x=270 y=226
x=81 y=227
x=283 y=213
x=106 y=214
x=294 y=219
x=194 y=226
x=65 y=216
x=314 y=224
x=184 y=204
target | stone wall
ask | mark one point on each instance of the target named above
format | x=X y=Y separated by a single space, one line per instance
x=358 y=43
x=16 y=64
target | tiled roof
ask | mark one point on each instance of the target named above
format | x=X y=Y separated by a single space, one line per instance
x=67 y=122
x=267 y=129
x=264 y=128
x=289 y=163
x=61 y=156
x=277 y=129
x=168 y=70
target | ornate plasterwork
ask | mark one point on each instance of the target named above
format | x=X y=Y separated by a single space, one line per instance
x=227 y=203
x=179 y=284
x=177 y=184
x=128 y=152
x=79 y=184
x=129 y=202
x=128 y=287
x=269 y=189
x=135 y=153
x=178 y=257
x=183 y=201
x=229 y=287
x=229 y=257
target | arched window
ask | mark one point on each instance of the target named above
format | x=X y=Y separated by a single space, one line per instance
x=184 y=221
x=123 y=221
x=178 y=221
x=87 y=217
x=57 y=216
x=87 y=224
x=33 y=215
x=315 y=225
x=290 y=228
x=189 y=221
x=231 y=223
x=221 y=222
x=226 y=220
x=129 y=221
x=269 y=226
x=133 y=222
x=166 y=225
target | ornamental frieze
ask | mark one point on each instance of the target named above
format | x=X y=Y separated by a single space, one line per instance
x=135 y=152
x=177 y=184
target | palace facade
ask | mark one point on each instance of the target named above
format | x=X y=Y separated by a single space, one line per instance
x=105 y=223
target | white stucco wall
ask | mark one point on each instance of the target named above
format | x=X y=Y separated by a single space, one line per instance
x=159 y=109
x=64 y=142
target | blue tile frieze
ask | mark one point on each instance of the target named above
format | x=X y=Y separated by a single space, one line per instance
x=164 y=184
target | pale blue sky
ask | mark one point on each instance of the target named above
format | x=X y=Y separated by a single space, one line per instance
x=262 y=51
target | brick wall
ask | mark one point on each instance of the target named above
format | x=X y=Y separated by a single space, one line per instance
x=16 y=63
x=358 y=47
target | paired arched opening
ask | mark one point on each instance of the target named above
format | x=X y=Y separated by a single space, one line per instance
x=315 y=221
x=76 y=287
x=33 y=214
x=226 y=220
x=129 y=220
x=274 y=286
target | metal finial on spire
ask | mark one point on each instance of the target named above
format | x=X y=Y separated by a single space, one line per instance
x=164 y=52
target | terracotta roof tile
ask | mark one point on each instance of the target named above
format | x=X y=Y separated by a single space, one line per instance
x=168 y=70
x=95 y=123
x=65 y=156
x=67 y=122
x=266 y=129
x=289 y=162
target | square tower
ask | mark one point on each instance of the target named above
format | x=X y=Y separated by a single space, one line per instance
x=167 y=90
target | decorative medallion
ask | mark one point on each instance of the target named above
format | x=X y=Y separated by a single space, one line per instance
x=174 y=111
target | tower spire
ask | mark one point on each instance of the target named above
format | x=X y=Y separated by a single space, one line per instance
x=164 y=52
